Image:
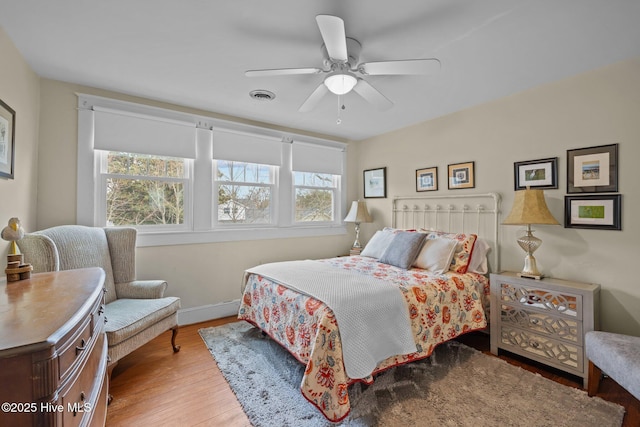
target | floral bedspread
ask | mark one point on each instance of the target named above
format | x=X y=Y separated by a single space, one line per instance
x=441 y=307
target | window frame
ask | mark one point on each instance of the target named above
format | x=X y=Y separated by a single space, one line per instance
x=199 y=214
x=273 y=175
x=101 y=187
x=334 y=208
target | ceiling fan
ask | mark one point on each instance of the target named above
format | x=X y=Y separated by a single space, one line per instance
x=344 y=72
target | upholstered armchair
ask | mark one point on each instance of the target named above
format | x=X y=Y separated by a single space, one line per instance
x=136 y=310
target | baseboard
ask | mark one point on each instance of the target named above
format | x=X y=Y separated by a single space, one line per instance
x=188 y=316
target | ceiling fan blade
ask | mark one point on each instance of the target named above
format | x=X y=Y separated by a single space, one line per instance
x=408 y=66
x=314 y=98
x=335 y=39
x=372 y=95
x=282 y=72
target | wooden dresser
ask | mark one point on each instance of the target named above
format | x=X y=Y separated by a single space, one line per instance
x=53 y=350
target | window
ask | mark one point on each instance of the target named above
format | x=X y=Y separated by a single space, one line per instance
x=244 y=192
x=143 y=190
x=314 y=196
x=181 y=178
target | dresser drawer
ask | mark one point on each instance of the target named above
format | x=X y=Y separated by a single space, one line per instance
x=561 y=328
x=543 y=300
x=72 y=350
x=552 y=352
x=80 y=397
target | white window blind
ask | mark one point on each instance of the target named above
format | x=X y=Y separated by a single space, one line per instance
x=141 y=134
x=317 y=158
x=241 y=147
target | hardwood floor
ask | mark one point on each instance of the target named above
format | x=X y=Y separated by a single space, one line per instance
x=155 y=387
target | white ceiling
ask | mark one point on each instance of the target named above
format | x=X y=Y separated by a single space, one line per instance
x=194 y=52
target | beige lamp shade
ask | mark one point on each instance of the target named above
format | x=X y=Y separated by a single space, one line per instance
x=358 y=213
x=529 y=207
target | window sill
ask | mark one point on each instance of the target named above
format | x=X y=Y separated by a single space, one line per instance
x=170 y=238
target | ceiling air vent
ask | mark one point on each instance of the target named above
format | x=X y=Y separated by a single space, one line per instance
x=262 y=95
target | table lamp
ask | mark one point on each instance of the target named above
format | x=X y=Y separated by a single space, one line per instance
x=529 y=207
x=357 y=214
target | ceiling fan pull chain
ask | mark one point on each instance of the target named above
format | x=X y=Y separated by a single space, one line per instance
x=340 y=107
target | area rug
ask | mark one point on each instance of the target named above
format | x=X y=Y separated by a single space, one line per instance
x=456 y=386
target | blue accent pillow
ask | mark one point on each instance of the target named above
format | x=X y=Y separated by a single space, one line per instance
x=403 y=249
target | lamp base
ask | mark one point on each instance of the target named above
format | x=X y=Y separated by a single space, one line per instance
x=530 y=270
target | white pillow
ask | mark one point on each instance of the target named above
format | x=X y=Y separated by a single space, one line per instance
x=478 y=262
x=436 y=255
x=378 y=244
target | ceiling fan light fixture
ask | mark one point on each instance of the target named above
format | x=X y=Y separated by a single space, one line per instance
x=340 y=82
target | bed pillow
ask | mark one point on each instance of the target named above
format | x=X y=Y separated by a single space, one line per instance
x=436 y=255
x=378 y=244
x=464 y=248
x=478 y=263
x=403 y=249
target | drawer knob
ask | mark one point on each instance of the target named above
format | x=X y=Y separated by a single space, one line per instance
x=81 y=347
x=101 y=309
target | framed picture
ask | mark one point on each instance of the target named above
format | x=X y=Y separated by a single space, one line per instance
x=461 y=175
x=542 y=173
x=375 y=183
x=593 y=169
x=601 y=212
x=427 y=179
x=7 y=140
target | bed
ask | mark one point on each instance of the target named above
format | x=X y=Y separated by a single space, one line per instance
x=400 y=303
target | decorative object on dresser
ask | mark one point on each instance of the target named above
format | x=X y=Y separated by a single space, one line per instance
x=593 y=169
x=16 y=268
x=53 y=350
x=358 y=214
x=137 y=310
x=545 y=320
x=529 y=207
x=617 y=356
x=375 y=183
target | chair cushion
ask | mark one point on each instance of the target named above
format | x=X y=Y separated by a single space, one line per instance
x=617 y=356
x=127 y=317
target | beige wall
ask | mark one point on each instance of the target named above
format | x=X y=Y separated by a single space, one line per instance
x=202 y=274
x=597 y=108
x=19 y=88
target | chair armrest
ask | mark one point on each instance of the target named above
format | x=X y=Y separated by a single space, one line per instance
x=141 y=289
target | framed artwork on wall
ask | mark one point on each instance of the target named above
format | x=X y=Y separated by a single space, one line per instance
x=375 y=183
x=7 y=140
x=537 y=174
x=461 y=175
x=427 y=179
x=593 y=169
x=602 y=212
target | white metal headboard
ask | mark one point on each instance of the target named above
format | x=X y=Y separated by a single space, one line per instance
x=462 y=213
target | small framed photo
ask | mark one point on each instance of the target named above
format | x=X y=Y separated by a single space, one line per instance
x=593 y=169
x=375 y=183
x=602 y=212
x=427 y=179
x=7 y=140
x=538 y=174
x=461 y=175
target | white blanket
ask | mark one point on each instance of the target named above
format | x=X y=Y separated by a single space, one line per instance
x=372 y=314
